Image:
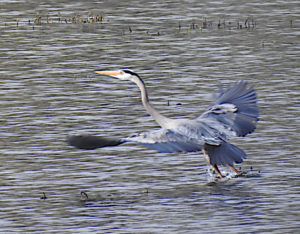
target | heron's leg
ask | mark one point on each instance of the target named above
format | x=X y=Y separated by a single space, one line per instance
x=215 y=167
x=233 y=168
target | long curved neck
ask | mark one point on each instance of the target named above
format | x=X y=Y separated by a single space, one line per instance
x=159 y=118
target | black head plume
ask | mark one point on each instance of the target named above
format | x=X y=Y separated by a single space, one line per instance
x=130 y=72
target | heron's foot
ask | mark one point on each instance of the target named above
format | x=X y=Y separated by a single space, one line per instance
x=238 y=173
x=215 y=167
x=234 y=169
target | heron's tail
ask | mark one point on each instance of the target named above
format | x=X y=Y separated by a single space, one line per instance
x=89 y=142
x=223 y=154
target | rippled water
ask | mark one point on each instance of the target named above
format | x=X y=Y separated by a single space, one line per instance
x=48 y=91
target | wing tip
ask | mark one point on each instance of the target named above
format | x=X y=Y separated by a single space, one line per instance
x=90 y=142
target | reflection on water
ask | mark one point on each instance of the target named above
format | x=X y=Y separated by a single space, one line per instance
x=183 y=51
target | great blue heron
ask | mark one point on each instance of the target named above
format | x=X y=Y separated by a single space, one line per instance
x=233 y=113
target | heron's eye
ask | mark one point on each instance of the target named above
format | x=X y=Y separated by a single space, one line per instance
x=122 y=73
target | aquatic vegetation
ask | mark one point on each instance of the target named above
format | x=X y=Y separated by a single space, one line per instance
x=185 y=26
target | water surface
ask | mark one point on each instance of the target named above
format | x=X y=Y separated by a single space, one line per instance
x=183 y=51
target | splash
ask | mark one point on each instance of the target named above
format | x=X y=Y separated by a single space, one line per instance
x=213 y=178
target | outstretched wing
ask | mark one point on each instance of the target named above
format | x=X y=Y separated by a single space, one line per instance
x=162 y=140
x=166 y=141
x=235 y=109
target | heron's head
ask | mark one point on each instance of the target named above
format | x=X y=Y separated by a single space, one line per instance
x=124 y=74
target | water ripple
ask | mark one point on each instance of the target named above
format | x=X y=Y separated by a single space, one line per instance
x=183 y=51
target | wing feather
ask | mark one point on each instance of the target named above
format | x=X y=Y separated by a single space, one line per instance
x=166 y=141
x=224 y=154
x=235 y=109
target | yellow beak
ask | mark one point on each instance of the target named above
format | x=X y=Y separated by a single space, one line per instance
x=108 y=73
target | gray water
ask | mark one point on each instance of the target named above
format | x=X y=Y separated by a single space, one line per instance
x=49 y=91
